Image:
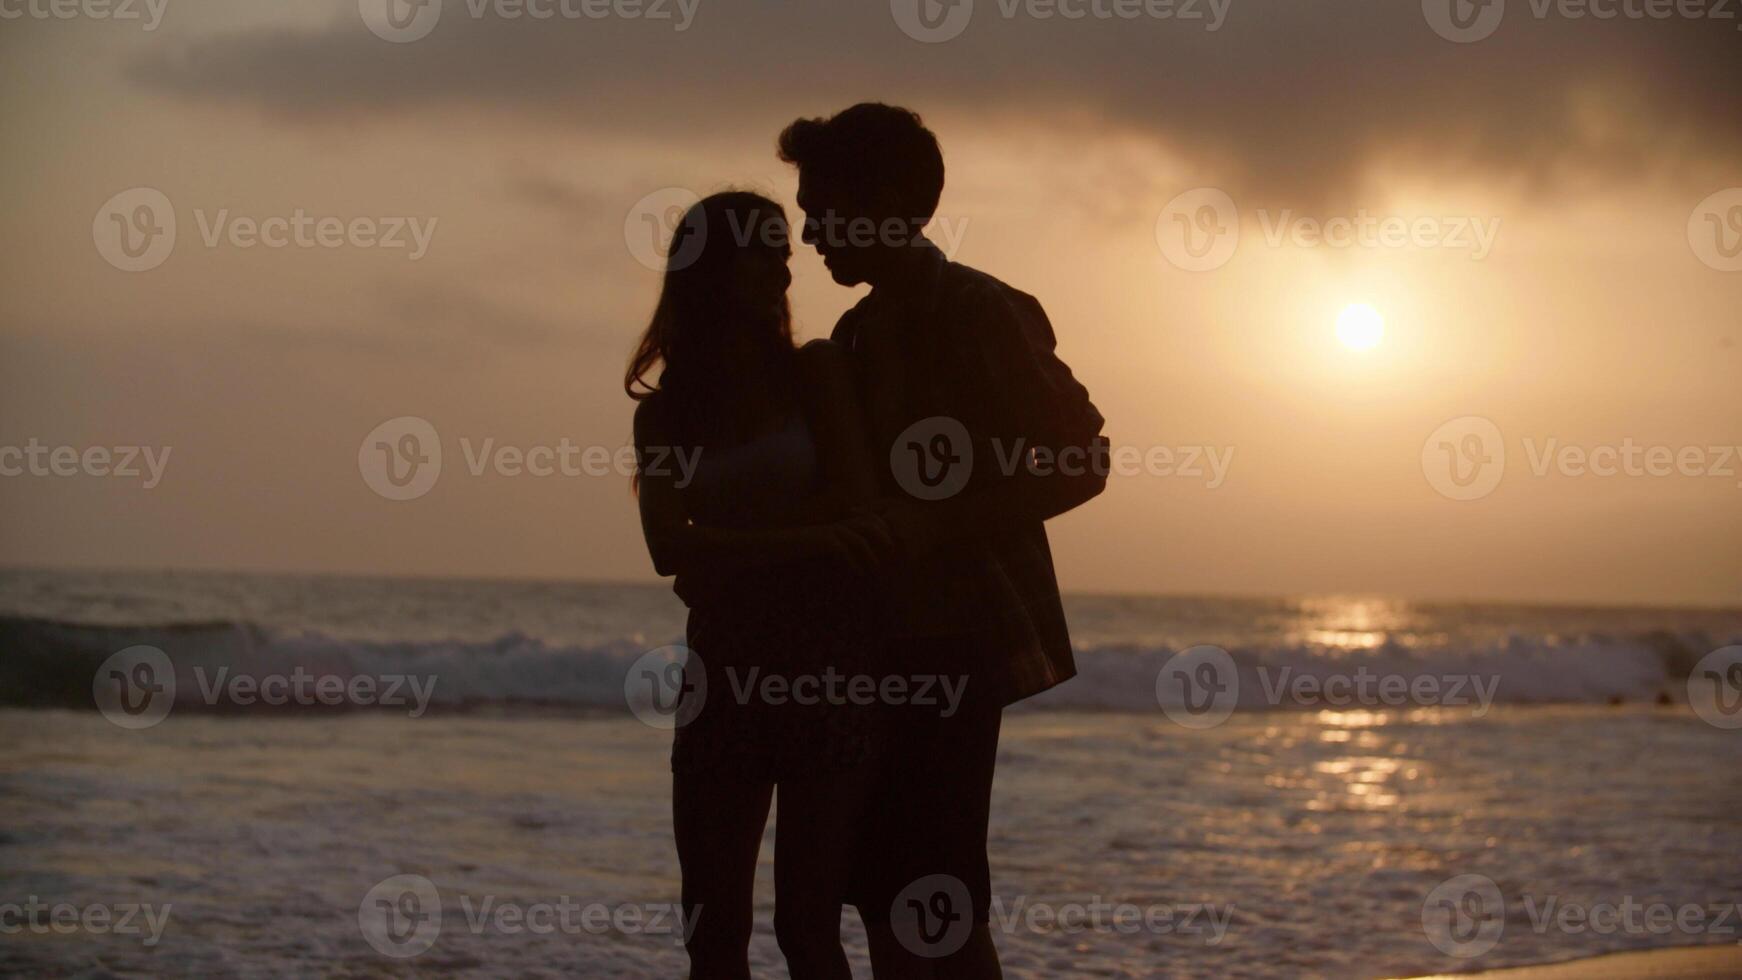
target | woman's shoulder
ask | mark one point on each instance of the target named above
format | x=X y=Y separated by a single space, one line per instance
x=651 y=415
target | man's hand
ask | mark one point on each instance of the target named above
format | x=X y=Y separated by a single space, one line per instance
x=862 y=543
x=912 y=525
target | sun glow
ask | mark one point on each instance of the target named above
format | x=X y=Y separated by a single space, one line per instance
x=1360 y=327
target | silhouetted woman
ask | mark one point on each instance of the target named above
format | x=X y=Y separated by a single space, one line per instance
x=770 y=560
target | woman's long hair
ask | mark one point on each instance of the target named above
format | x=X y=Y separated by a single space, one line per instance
x=697 y=337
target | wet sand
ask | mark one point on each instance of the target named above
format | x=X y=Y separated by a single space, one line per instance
x=1692 y=963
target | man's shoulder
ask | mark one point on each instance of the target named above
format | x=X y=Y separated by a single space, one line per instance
x=965 y=282
x=842 y=335
x=979 y=300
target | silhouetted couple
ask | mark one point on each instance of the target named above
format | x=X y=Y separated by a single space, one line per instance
x=861 y=548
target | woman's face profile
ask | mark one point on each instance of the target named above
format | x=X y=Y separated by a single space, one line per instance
x=761 y=277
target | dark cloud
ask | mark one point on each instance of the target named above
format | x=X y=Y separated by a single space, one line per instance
x=1296 y=98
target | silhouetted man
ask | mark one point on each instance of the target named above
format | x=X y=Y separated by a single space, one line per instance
x=988 y=435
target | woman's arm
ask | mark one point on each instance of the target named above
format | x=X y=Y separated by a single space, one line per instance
x=683 y=548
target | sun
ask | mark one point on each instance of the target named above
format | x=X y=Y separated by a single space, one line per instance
x=1360 y=327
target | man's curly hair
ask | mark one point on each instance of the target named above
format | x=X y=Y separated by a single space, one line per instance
x=876 y=152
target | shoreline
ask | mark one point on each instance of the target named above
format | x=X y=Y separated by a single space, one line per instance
x=1707 y=962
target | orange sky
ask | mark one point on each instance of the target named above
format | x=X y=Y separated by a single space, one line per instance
x=1557 y=277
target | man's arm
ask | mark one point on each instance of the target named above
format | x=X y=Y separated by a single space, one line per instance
x=1034 y=404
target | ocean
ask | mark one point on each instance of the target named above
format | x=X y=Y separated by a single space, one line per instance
x=1361 y=773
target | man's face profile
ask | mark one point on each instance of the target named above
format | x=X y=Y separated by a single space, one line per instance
x=840 y=229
